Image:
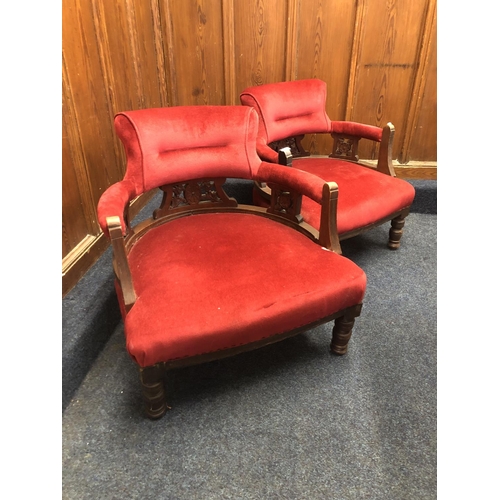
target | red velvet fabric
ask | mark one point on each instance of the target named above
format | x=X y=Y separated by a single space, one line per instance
x=291 y=178
x=113 y=202
x=168 y=145
x=298 y=107
x=365 y=195
x=289 y=108
x=208 y=141
x=355 y=129
x=214 y=281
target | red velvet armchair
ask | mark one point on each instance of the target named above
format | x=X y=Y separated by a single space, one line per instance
x=368 y=196
x=189 y=278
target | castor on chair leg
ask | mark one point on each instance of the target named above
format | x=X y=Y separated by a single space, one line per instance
x=153 y=391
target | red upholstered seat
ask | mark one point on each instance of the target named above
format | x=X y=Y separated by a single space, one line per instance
x=204 y=277
x=204 y=273
x=367 y=196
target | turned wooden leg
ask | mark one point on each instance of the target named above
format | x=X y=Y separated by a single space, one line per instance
x=153 y=391
x=342 y=331
x=396 y=231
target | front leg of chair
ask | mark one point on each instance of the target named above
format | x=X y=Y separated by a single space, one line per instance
x=342 y=330
x=396 y=231
x=153 y=391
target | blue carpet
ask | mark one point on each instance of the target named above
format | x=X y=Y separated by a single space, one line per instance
x=286 y=421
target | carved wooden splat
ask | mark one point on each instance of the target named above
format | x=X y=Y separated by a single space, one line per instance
x=190 y=194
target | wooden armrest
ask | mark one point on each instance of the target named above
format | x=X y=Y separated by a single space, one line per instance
x=285 y=157
x=289 y=184
x=384 y=163
x=346 y=137
x=328 y=234
x=115 y=200
x=120 y=261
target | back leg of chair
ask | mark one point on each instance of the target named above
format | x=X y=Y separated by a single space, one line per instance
x=396 y=231
x=342 y=330
x=153 y=391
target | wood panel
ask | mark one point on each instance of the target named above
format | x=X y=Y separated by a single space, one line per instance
x=260 y=37
x=420 y=142
x=195 y=31
x=324 y=51
x=72 y=203
x=89 y=96
x=386 y=70
x=378 y=58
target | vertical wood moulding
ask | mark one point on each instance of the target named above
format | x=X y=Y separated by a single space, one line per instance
x=79 y=161
x=168 y=30
x=355 y=56
x=134 y=47
x=98 y=18
x=419 y=82
x=201 y=44
x=230 y=92
x=292 y=37
x=165 y=92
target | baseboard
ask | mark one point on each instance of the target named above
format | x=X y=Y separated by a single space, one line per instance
x=424 y=170
x=88 y=251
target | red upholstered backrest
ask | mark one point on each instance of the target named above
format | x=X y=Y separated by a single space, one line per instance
x=168 y=145
x=289 y=108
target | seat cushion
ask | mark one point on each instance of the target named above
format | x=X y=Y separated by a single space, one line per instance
x=214 y=281
x=365 y=195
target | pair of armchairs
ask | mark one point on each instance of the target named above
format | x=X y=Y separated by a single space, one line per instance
x=206 y=277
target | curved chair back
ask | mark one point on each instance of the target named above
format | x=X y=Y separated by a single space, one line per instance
x=168 y=145
x=289 y=108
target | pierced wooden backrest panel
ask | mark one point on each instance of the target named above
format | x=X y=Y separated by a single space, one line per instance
x=294 y=143
x=345 y=147
x=193 y=194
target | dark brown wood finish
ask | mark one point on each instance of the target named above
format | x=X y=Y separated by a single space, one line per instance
x=208 y=196
x=378 y=58
x=152 y=377
x=345 y=148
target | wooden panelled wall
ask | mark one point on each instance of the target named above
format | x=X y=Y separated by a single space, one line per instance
x=378 y=58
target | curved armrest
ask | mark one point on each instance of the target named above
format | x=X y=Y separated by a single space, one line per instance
x=120 y=264
x=356 y=129
x=312 y=186
x=265 y=152
x=114 y=202
x=353 y=132
x=305 y=183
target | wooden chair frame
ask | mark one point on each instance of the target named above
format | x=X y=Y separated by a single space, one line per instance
x=205 y=196
x=345 y=147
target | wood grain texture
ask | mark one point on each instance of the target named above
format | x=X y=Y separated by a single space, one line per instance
x=378 y=58
x=161 y=55
x=260 y=51
x=79 y=217
x=420 y=137
x=90 y=97
x=231 y=92
x=324 y=51
x=392 y=34
x=197 y=52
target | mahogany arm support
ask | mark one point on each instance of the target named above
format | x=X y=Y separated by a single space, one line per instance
x=384 y=163
x=312 y=186
x=121 y=265
x=115 y=202
x=384 y=136
x=355 y=129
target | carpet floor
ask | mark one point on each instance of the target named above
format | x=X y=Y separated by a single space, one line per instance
x=288 y=421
